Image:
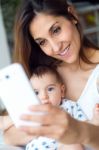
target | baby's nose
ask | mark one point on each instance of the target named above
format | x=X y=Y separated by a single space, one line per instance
x=44 y=98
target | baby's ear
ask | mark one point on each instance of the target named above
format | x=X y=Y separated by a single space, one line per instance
x=72 y=10
x=63 y=90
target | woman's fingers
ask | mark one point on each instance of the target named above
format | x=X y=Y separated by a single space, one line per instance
x=51 y=115
x=36 y=131
x=42 y=108
x=43 y=119
x=55 y=123
x=54 y=131
x=62 y=131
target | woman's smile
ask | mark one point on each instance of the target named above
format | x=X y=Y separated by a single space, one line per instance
x=65 y=51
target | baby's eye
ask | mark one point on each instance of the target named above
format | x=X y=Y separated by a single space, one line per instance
x=56 y=30
x=36 y=92
x=50 y=89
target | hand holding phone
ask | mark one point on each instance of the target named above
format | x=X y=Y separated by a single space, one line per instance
x=16 y=93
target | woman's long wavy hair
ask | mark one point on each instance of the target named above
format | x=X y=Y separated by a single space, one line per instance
x=26 y=51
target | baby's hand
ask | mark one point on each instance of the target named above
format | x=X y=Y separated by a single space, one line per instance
x=5 y=122
x=95 y=119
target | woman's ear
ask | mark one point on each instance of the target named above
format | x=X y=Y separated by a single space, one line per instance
x=72 y=10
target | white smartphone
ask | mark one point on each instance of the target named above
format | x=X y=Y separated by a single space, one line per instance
x=16 y=93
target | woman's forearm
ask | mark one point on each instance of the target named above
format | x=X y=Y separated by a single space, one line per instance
x=94 y=136
x=89 y=135
x=86 y=134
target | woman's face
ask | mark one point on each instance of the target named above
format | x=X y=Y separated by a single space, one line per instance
x=57 y=37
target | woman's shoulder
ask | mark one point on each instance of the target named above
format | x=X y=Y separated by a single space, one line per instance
x=95 y=56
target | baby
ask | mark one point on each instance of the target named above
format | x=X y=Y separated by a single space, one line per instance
x=50 y=88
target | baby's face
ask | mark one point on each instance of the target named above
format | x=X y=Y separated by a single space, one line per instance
x=47 y=89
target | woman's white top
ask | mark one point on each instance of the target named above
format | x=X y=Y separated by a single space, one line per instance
x=90 y=95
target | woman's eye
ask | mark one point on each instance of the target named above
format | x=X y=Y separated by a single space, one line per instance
x=50 y=89
x=56 y=30
x=42 y=43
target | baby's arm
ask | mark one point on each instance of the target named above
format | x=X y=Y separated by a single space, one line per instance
x=5 y=122
x=12 y=135
x=95 y=119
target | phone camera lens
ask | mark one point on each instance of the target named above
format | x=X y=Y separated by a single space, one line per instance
x=7 y=76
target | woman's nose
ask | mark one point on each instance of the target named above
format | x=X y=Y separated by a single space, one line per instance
x=55 y=45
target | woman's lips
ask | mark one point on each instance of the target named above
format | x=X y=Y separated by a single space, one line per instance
x=65 y=51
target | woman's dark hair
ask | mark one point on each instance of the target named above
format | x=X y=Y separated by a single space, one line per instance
x=27 y=52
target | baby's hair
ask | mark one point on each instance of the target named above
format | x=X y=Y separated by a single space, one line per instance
x=42 y=70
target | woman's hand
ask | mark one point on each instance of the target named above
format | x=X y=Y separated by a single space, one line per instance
x=56 y=124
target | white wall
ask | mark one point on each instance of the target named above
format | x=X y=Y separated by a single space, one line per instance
x=4 y=50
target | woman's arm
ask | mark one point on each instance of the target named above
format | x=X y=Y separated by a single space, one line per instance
x=59 y=125
x=92 y=133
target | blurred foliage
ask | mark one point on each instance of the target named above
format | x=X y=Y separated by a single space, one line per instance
x=9 y=8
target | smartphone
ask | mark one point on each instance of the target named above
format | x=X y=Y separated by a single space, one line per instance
x=16 y=93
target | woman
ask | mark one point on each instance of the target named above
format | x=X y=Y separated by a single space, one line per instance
x=48 y=32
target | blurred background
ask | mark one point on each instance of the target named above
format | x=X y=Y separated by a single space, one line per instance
x=88 y=12
x=7 y=14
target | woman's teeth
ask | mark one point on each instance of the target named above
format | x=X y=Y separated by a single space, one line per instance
x=65 y=51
